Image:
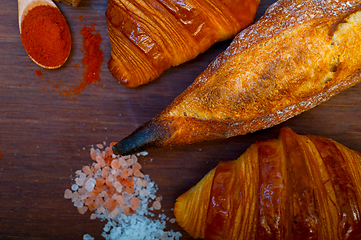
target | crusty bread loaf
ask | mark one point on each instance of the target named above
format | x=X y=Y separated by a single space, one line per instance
x=299 y=54
x=73 y=3
x=294 y=187
x=149 y=36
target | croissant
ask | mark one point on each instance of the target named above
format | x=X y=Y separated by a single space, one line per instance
x=149 y=36
x=299 y=54
x=293 y=187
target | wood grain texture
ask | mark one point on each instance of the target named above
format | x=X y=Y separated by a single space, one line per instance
x=45 y=137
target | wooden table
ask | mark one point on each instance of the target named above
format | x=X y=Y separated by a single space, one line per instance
x=45 y=137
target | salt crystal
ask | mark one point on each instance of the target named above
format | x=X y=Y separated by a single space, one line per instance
x=122 y=162
x=125 y=209
x=172 y=220
x=90 y=184
x=115 y=164
x=88 y=194
x=75 y=196
x=87 y=170
x=139 y=182
x=108 y=151
x=93 y=216
x=136 y=166
x=104 y=173
x=114 y=213
x=78 y=204
x=93 y=154
x=100 y=146
x=82 y=191
x=79 y=181
x=96 y=167
x=138 y=173
x=74 y=187
x=118 y=186
x=68 y=194
x=100 y=160
x=82 y=175
x=119 y=199
x=143 y=193
x=130 y=162
x=135 y=159
x=126 y=198
x=101 y=210
x=87 y=237
x=82 y=210
x=144 y=153
x=157 y=205
x=99 y=199
x=134 y=203
x=126 y=173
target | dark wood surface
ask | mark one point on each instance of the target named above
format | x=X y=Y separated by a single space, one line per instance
x=45 y=137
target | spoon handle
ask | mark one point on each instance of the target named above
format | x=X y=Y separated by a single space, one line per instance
x=24 y=6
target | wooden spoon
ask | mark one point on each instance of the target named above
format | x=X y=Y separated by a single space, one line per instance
x=24 y=6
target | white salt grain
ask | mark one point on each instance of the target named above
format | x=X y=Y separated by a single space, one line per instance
x=79 y=181
x=129 y=223
x=74 y=187
x=78 y=204
x=88 y=237
x=144 y=193
x=90 y=184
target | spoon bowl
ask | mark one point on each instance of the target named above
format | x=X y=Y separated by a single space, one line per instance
x=24 y=7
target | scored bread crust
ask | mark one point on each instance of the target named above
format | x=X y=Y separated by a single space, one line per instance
x=298 y=55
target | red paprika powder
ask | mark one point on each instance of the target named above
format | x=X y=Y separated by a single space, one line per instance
x=46 y=36
x=92 y=60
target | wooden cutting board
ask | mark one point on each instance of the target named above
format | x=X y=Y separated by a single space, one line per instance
x=46 y=137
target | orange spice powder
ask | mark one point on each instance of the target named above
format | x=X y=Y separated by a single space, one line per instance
x=93 y=58
x=46 y=36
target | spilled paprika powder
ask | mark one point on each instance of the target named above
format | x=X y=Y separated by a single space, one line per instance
x=46 y=36
x=92 y=60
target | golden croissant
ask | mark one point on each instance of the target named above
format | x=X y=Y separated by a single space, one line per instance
x=293 y=187
x=298 y=55
x=149 y=36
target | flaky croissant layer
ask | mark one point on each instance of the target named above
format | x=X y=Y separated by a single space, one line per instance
x=298 y=55
x=150 y=36
x=293 y=187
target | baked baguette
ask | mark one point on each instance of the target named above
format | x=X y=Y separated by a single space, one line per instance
x=294 y=187
x=149 y=36
x=299 y=54
x=73 y=3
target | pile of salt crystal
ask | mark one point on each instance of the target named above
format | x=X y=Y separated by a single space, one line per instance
x=112 y=185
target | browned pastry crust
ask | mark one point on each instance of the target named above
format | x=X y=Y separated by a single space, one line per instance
x=73 y=3
x=150 y=36
x=299 y=54
x=294 y=187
